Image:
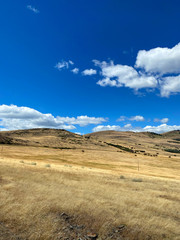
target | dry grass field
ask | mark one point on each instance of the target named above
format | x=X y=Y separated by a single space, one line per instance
x=83 y=193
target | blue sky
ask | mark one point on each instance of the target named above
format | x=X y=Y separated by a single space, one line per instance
x=80 y=65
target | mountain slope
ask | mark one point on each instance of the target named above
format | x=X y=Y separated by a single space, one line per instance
x=45 y=137
x=140 y=141
x=133 y=142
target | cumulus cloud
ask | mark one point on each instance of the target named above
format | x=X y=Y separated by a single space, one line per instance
x=163 y=120
x=133 y=118
x=161 y=128
x=89 y=72
x=160 y=60
x=170 y=85
x=82 y=121
x=128 y=127
x=14 y=117
x=75 y=70
x=33 y=9
x=137 y=118
x=123 y=76
x=158 y=68
x=108 y=128
x=63 y=64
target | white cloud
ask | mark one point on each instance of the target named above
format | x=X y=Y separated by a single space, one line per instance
x=71 y=62
x=128 y=127
x=108 y=128
x=161 y=128
x=81 y=120
x=170 y=85
x=35 y=10
x=14 y=117
x=163 y=120
x=121 y=119
x=133 y=118
x=137 y=118
x=123 y=76
x=157 y=68
x=160 y=60
x=89 y=72
x=63 y=65
x=75 y=70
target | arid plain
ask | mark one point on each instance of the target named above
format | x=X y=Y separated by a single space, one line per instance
x=107 y=185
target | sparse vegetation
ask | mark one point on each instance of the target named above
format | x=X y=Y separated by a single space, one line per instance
x=172 y=150
x=47 y=165
x=122 y=177
x=53 y=212
x=174 y=142
x=33 y=163
x=137 y=180
x=82 y=193
x=177 y=139
x=126 y=149
x=153 y=135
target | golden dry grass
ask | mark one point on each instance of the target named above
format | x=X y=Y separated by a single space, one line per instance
x=88 y=188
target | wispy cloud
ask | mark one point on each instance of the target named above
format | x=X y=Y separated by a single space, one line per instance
x=63 y=64
x=33 y=9
x=121 y=119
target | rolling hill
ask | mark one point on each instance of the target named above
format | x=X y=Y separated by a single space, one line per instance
x=45 y=137
x=135 y=142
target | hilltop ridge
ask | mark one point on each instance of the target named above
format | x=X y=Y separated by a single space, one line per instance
x=47 y=137
x=63 y=139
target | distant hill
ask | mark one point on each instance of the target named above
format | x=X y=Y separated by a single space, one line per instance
x=39 y=132
x=172 y=134
x=132 y=142
x=45 y=137
x=5 y=140
x=140 y=141
x=127 y=134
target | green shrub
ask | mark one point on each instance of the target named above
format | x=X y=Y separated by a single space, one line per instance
x=172 y=150
x=137 y=180
x=33 y=163
x=48 y=165
x=121 y=147
x=122 y=177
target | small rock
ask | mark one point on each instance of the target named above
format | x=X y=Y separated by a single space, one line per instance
x=65 y=216
x=92 y=235
x=121 y=227
x=71 y=227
